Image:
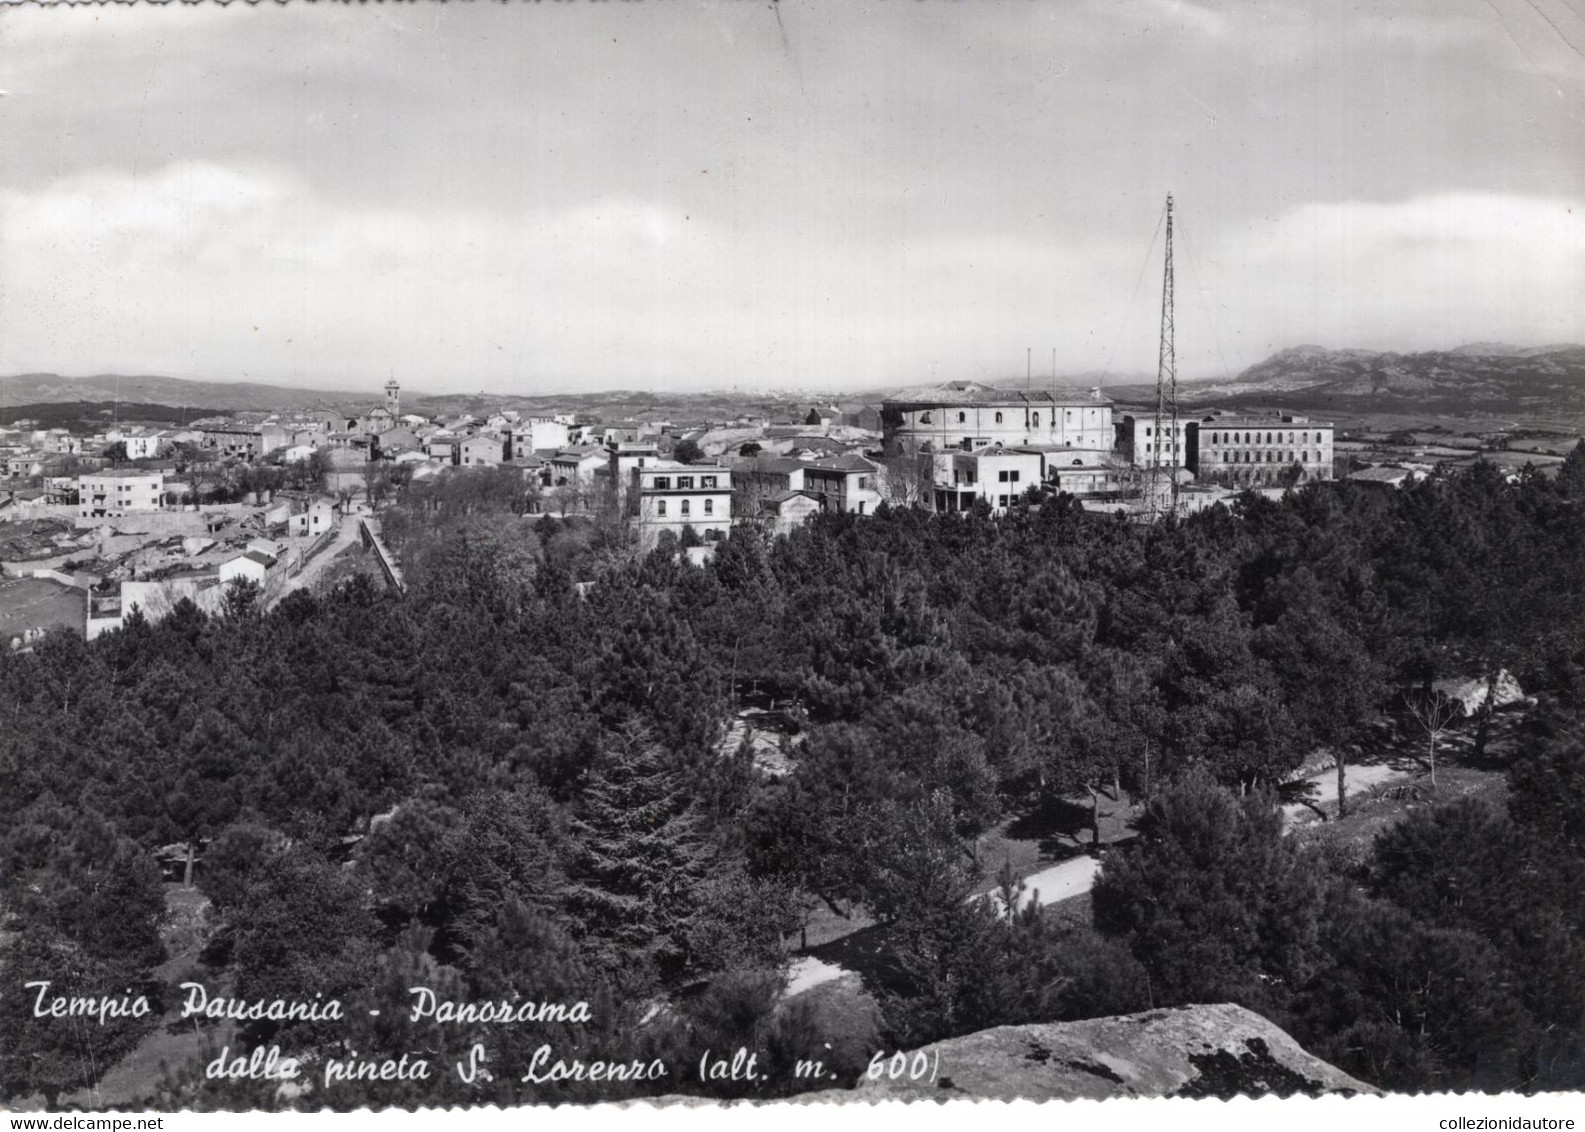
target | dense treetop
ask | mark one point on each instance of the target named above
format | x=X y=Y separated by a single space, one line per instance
x=513 y=783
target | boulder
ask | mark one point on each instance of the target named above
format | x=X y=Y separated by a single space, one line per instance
x=1470 y=691
x=1194 y=1051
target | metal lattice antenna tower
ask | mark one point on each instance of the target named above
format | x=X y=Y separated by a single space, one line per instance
x=1166 y=389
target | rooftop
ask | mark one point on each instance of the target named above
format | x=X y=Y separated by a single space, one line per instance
x=1262 y=422
x=1052 y=448
x=123 y=474
x=1021 y=450
x=783 y=496
x=975 y=393
x=774 y=465
x=848 y=463
x=671 y=466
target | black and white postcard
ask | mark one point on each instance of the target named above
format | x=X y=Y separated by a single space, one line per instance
x=698 y=552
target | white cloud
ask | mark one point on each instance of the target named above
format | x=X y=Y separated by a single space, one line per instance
x=174 y=271
x=218 y=270
x=1430 y=272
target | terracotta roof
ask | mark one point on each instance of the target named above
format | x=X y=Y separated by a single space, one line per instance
x=847 y=463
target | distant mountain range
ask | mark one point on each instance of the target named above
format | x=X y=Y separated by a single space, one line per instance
x=1481 y=376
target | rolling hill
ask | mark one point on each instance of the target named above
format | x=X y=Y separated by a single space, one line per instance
x=38 y=388
x=153 y=394
x=1479 y=377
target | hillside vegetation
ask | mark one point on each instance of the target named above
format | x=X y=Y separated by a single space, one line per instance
x=509 y=786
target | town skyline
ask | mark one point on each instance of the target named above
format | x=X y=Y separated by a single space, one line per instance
x=746 y=197
x=1464 y=373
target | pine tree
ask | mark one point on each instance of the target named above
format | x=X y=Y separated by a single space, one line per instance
x=50 y=1055
x=1212 y=898
x=302 y=930
x=1571 y=476
x=640 y=859
x=1407 y=1005
x=524 y=955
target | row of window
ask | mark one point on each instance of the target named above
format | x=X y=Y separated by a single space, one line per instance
x=1270 y=458
x=684 y=483
x=1254 y=438
x=1034 y=418
x=683 y=509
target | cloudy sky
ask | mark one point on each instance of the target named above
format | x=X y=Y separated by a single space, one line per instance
x=672 y=194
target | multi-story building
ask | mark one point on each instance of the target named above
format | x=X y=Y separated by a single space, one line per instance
x=145 y=446
x=968 y=416
x=242 y=440
x=537 y=434
x=24 y=464
x=393 y=442
x=772 y=474
x=672 y=497
x=316 y=517
x=1261 y=449
x=628 y=457
x=1139 y=442
x=482 y=451
x=443 y=449
x=843 y=483
x=275 y=435
x=118 y=492
x=577 y=466
x=999 y=476
x=377 y=420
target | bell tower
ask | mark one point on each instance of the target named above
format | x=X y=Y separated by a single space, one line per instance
x=393 y=398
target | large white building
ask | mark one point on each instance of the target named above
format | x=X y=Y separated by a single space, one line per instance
x=672 y=496
x=998 y=476
x=1249 y=450
x=117 y=492
x=967 y=416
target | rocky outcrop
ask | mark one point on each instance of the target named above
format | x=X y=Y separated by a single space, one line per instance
x=1193 y=1051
